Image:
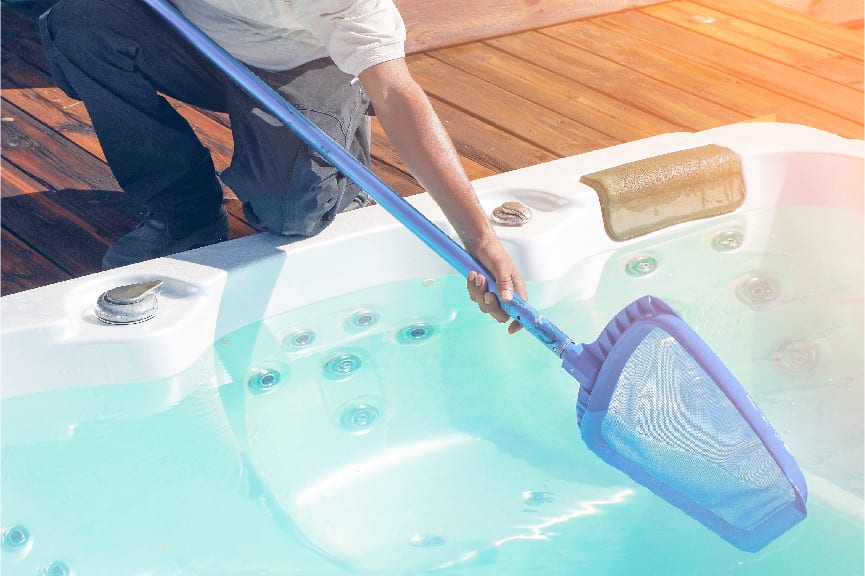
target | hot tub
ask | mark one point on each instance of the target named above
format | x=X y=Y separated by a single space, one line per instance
x=338 y=406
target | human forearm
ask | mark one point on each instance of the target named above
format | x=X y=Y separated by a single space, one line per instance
x=425 y=147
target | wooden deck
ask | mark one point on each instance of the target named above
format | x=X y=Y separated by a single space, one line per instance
x=508 y=102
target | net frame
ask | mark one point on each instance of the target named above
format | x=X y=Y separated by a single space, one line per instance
x=601 y=363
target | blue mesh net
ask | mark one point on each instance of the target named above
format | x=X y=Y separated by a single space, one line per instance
x=667 y=415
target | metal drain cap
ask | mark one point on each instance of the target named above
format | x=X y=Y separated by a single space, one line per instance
x=129 y=304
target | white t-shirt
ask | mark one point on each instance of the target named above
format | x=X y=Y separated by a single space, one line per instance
x=284 y=34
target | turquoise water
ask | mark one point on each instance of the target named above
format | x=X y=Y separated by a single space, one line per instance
x=398 y=431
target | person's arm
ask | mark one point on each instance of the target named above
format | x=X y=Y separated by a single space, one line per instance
x=424 y=146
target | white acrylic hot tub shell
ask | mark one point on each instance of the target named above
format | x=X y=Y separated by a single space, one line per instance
x=51 y=338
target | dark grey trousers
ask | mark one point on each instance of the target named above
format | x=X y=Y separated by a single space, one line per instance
x=118 y=57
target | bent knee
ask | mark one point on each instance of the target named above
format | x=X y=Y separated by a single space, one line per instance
x=78 y=27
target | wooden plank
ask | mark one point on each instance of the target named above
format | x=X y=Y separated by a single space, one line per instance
x=39 y=216
x=451 y=22
x=544 y=128
x=779 y=46
x=750 y=67
x=555 y=92
x=834 y=11
x=48 y=155
x=632 y=88
x=29 y=89
x=16 y=182
x=486 y=145
x=696 y=78
x=769 y=13
x=22 y=267
x=484 y=149
x=41 y=220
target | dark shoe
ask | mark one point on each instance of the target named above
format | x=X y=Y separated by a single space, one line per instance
x=151 y=239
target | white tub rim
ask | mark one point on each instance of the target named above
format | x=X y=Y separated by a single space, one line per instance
x=58 y=319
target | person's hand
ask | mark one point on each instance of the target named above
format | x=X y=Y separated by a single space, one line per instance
x=508 y=281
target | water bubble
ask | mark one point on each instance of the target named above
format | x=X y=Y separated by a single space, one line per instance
x=415 y=333
x=359 y=418
x=728 y=240
x=341 y=366
x=298 y=339
x=55 y=569
x=15 y=537
x=796 y=356
x=757 y=290
x=263 y=380
x=643 y=265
